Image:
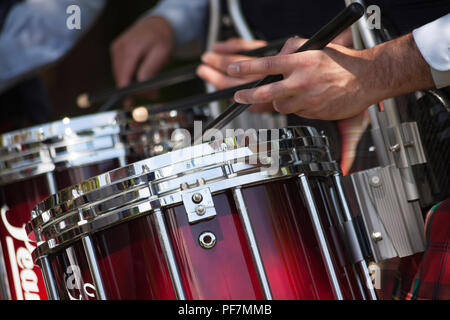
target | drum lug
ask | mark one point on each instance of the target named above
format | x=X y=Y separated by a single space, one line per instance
x=199 y=204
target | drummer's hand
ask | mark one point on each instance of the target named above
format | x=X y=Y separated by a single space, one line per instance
x=319 y=84
x=215 y=63
x=336 y=82
x=142 y=50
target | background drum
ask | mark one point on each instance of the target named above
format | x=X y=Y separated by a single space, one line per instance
x=151 y=135
x=37 y=161
x=212 y=221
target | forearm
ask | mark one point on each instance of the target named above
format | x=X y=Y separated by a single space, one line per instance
x=397 y=68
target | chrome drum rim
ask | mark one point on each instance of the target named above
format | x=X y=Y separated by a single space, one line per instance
x=138 y=189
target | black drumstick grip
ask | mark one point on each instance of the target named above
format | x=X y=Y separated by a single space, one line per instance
x=201 y=99
x=318 y=41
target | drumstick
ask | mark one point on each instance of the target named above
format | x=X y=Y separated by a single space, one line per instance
x=166 y=79
x=318 y=41
x=141 y=114
x=111 y=102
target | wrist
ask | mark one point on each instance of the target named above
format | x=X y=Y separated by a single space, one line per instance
x=396 y=68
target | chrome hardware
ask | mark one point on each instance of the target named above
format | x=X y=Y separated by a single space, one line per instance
x=253 y=244
x=93 y=267
x=124 y=193
x=407 y=135
x=376 y=236
x=375 y=181
x=5 y=291
x=47 y=272
x=184 y=186
x=49 y=279
x=395 y=148
x=207 y=240
x=199 y=210
x=36 y=150
x=169 y=254
x=352 y=238
x=197 y=197
x=320 y=236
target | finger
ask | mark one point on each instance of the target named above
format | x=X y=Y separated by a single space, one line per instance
x=261 y=107
x=309 y=115
x=124 y=62
x=265 y=93
x=267 y=65
x=222 y=61
x=234 y=45
x=152 y=63
x=292 y=45
x=288 y=105
x=217 y=78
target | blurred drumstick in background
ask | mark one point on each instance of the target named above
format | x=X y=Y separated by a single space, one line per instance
x=165 y=79
x=141 y=114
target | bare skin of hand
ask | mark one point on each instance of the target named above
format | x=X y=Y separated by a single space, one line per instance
x=215 y=64
x=336 y=82
x=142 y=50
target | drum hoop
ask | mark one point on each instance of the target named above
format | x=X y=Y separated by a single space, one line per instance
x=52 y=137
x=30 y=152
x=57 y=129
x=68 y=229
x=123 y=175
x=42 y=162
x=162 y=184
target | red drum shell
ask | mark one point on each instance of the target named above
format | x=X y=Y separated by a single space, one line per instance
x=130 y=259
x=132 y=264
x=17 y=201
x=26 y=282
x=65 y=177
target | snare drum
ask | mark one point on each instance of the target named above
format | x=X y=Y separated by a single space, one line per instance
x=36 y=162
x=247 y=217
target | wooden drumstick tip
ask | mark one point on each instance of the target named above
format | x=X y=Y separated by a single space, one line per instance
x=83 y=101
x=140 y=114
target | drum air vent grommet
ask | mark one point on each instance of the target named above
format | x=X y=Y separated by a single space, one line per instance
x=207 y=240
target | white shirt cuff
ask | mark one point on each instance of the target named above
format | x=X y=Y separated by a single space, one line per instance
x=433 y=41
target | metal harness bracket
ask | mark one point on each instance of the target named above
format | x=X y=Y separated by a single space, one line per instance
x=393 y=224
x=409 y=136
